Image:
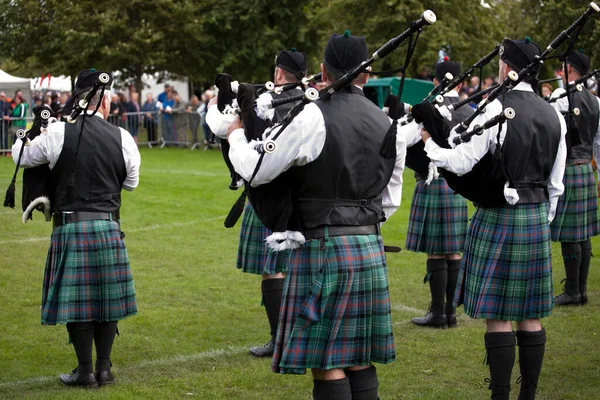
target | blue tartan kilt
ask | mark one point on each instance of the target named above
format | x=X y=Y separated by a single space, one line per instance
x=254 y=256
x=506 y=269
x=87 y=276
x=576 y=218
x=438 y=219
x=335 y=310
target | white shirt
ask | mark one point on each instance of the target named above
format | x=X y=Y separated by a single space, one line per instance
x=562 y=105
x=463 y=158
x=46 y=148
x=300 y=143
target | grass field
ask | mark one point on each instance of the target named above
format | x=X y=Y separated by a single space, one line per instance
x=198 y=315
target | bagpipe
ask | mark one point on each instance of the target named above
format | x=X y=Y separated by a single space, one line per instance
x=485 y=60
x=575 y=86
x=37 y=181
x=484 y=184
x=273 y=202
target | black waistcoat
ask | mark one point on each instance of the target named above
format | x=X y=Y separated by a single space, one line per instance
x=281 y=111
x=416 y=157
x=525 y=159
x=344 y=185
x=100 y=169
x=530 y=145
x=582 y=128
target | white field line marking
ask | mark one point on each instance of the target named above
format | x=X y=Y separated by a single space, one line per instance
x=402 y=307
x=143 y=229
x=166 y=361
x=181 y=172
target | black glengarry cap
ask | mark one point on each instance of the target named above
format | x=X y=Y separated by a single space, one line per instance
x=293 y=61
x=345 y=52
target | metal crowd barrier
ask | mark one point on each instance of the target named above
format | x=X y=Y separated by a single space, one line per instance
x=151 y=129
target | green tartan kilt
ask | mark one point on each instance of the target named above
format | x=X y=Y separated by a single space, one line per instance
x=438 y=219
x=87 y=276
x=335 y=310
x=254 y=256
x=506 y=270
x=576 y=218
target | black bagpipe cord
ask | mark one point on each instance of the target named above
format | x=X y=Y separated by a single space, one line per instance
x=70 y=191
x=9 y=198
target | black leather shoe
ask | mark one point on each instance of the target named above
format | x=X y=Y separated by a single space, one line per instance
x=432 y=321
x=74 y=379
x=105 y=378
x=568 y=300
x=263 y=351
x=584 y=298
x=451 y=320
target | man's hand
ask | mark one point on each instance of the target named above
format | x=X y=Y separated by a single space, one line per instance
x=235 y=124
x=213 y=101
x=425 y=135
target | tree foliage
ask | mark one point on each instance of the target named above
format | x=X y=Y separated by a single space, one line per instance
x=198 y=39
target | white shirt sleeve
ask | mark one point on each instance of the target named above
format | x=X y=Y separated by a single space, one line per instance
x=218 y=122
x=300 y=143
x=392 y=193
x=463 y=158
x=411 y=133
x=131 y=156
x=44 y=149
x=555 y=183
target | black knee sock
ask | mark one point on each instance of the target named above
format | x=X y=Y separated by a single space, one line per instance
x=437 y=272
x=571 y=253
x=532 y=346
x=338 y=389
x=500 y=348
x=363 y=383
x=82 y=336
x=271 y=291
x=104 y=336
x=584 y=267
x=453 y=267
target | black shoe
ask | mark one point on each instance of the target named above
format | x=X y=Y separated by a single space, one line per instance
x=74 y=379
x=105 y=378
x=451 y=320
x=584 y=298
x=263 y=351
x=431 y=320
x=567 y=300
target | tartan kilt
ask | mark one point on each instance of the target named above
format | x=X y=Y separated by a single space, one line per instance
x=87 y=276
x=335 y=309
x=254 y=257
x=438 y=219
x=576 y=218
x=506 y=269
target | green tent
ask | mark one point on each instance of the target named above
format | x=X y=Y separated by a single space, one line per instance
x=414 y=92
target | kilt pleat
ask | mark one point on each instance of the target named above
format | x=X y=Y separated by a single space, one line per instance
x=335 y=310
x=438 y=219
x=254 y=256
x=506 y=269
x=576 y=218
x=87 y=275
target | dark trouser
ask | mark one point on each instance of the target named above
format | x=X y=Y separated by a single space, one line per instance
x=194 y=125
x=151 y=129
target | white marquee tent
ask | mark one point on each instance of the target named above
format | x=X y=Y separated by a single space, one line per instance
x=10 y=84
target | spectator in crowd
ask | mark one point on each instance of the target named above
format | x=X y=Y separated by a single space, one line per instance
x=64 y=97
x=4 y=116
x=18 y=115
x=13 y=103
x=164 y=96
x=122 y=108
x=132 y=108
x=179 y=118
x=37 y=101
x=167 y=109
x=115 y=110
x=48 y=100
x=425 y=74
x=547 y=90
x=150 y=117
x=488 y=82
x=194 y=117
x=208 y=95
